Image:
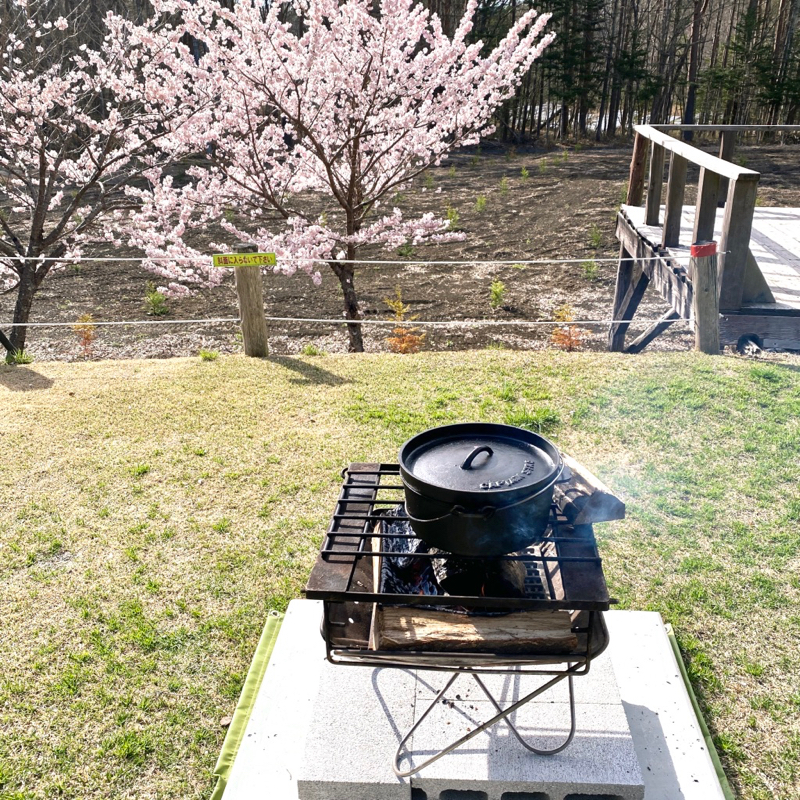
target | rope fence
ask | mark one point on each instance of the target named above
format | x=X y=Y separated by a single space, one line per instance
x=96 y=323
x=253 y=321
x=473 y=323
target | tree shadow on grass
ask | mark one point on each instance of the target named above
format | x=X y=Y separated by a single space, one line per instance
x=308 y=374
x=23 y=379
x=787 y=367
x=767 y=364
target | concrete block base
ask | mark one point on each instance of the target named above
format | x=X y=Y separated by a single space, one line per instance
x=365 y=712
x=637 y=736
x=358 y=717
x=600 y=760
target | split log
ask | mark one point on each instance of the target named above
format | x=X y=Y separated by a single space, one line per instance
x=398 y=628
x=585 y=499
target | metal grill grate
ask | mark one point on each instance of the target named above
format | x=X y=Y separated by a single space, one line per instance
x=412 y=571
x=370 y=496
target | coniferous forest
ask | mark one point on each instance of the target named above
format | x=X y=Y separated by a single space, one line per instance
x=615 y=63
x=618 y=63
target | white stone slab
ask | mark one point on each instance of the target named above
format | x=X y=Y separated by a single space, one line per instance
x=668 y=740
x=674 y=761
x=272 y=748
x=361 y=715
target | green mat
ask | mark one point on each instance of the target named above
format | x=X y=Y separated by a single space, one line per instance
x=252 y=683
x=712 y=751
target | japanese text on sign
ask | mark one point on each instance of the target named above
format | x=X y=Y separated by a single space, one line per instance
x=243 y=259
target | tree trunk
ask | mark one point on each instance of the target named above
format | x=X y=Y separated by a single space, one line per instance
x=616 y=79
x=607 y=73
x=587 y=63
x=782 y=53
x=694 y=58
x=504 y=122
x=22 y=310
x=710 y=113
x=540 y=109
x=344 y=272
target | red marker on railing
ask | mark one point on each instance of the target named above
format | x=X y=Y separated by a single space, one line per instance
x=703 y=249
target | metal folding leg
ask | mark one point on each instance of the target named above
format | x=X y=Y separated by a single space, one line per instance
x=500 y=716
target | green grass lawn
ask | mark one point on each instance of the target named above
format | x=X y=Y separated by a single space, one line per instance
x=152 y=512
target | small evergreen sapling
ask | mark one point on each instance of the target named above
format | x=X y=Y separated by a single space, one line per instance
x=405 y=339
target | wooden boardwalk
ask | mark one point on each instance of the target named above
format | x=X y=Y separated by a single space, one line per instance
x=774 y=243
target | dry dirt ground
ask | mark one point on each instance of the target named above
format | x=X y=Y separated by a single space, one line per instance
x=564 y=209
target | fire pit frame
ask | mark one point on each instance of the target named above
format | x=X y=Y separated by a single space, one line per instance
x=502 y=714
x=343 y=578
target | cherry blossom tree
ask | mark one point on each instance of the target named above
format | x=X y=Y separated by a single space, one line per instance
x=77 y=126
x=314 y=123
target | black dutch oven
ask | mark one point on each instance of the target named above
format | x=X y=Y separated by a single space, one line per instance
x=479 y=488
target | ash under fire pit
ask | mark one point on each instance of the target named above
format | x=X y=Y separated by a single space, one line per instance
x=390 y=600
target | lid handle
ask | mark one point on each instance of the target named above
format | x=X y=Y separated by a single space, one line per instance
x=484 y=448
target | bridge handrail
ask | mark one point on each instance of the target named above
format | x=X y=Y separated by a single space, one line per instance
x=719 y=179
x=725 y=128
x=684 y=149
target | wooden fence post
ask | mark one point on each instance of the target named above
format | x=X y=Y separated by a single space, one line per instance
x=734 y=244
x=705 y=297
x=631 y=284
x=250 y=291
x=726 y=147
x=705 y=211
x=7 y=344
x=641 y=145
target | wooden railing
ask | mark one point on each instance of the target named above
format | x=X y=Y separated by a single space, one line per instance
x=719 y=178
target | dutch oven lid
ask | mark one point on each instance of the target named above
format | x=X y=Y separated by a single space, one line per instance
x=479 y=457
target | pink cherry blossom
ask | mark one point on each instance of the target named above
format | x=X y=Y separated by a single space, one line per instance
x=302 y=118
x=317 y=102
x=64 y=159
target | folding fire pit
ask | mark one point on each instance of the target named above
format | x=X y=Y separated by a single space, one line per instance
x=391 y=600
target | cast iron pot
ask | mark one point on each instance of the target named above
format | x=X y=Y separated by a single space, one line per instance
x=479 y=488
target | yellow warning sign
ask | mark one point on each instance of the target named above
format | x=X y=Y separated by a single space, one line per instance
x=243 y=259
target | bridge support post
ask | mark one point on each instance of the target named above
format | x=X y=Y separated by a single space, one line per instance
x=631 y=283
x=705 y=297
